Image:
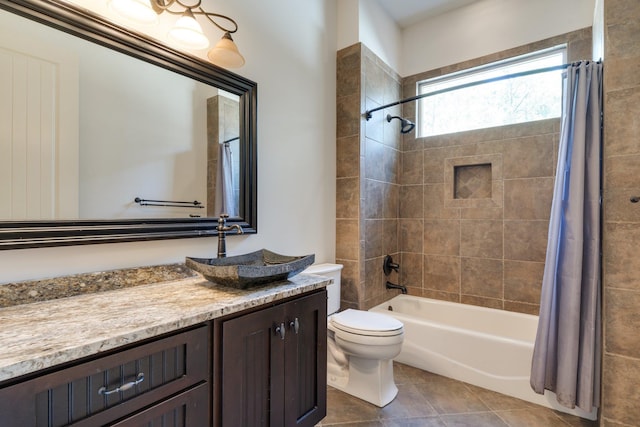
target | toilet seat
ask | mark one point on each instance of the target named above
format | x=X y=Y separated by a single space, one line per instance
x=366 y=323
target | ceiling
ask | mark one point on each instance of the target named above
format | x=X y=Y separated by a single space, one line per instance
x=409 y=12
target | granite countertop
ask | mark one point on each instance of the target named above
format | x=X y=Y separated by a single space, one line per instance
x=42 y=334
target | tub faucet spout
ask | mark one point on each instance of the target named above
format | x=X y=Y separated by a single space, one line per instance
x=394 y=286
x=222 y=234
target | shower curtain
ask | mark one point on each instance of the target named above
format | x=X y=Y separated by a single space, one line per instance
x=567 y=352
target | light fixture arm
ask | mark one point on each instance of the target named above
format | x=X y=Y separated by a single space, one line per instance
x=165 y=6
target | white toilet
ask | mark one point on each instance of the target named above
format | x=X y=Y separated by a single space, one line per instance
x=360 y=346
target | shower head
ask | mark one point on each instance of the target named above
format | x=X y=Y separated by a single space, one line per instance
x=406 y=126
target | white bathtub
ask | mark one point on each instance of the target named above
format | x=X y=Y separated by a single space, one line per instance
x=485 y=347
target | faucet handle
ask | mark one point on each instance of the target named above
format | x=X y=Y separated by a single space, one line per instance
x=389 y=265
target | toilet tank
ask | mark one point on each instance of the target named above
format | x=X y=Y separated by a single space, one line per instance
x=333 y=290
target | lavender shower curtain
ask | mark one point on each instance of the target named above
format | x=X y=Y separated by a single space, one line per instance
x=567 y=352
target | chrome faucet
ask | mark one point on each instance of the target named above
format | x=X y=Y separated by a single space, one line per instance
x=222 y=234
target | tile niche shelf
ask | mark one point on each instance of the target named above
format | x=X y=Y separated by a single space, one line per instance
x=473 y=181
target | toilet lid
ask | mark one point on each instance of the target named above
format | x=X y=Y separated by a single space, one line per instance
x=366 y=323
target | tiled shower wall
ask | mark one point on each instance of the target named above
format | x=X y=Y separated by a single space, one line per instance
x=394 y=196
x=486 y=251
x=474 y=206
x=621 y=238
x=368 y=176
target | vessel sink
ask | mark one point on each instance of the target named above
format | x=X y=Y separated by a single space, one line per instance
x=249 y=270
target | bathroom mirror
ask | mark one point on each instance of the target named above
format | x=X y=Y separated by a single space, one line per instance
x=226 y=111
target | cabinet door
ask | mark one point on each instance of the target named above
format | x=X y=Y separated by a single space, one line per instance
x=306 y=361
x=252 y=370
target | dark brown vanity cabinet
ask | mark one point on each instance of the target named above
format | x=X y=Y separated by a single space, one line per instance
x=271 y=365
x=164 y=382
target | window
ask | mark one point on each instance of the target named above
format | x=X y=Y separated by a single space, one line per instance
x=512 y=100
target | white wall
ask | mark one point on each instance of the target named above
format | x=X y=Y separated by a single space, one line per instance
x=488 y=26
x=380 y=33
x=290 y=49
x=366 y=21
x=348 y=27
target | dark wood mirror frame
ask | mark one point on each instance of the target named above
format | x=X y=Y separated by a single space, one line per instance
x=84 y=24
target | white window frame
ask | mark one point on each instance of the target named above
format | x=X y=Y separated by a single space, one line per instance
x=480 y=72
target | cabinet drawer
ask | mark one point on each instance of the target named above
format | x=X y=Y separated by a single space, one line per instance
x=110 y=387
x=188 y=409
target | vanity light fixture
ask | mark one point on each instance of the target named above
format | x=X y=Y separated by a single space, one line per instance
x=187 y=31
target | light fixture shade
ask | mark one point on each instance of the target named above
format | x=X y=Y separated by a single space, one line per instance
x=225 y=53
x=135 y=10
x=188 y=33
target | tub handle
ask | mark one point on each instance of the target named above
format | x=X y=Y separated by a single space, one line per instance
x=389 y=265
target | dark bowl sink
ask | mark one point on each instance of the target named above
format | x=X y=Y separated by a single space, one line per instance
x=249 y=270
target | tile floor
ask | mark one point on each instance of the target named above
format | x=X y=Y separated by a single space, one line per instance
x=426 y=399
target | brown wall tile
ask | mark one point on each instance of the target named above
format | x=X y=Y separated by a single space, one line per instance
x=618 y=207
x=390 y=237
x=528 y=198
x=348 y=116
x=348 y=72
x=391 y=201
x=442 y=273
x=620 y=255
x=434 y=206
x=350 y=280
x=412 y=169
x=623 y=123
x=481 y=277
x=441 y=237
x=481 y=238
x=411 y=201
x=618 y=76
x=523 y=281
x=529 y=157
x=373 y=199
x=347 y=198
x=374 y=160
x=622 y=172
x=623 y=37
x=411 y=270
x=347 y=239
x=348 y=157
x=411 y=235
x=373 y=229
x=620 y=390
x=525 y=240
x=374 y=80
x=622 y=322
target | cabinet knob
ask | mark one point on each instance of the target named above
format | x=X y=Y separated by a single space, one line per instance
x=280 y=330
x=295 y=324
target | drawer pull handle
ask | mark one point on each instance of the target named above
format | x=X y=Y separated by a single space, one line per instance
x=124 y=387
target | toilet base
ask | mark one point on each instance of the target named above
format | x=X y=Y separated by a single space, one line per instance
x=367 y=379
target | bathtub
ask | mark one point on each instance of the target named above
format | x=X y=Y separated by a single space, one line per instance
x=485 y=347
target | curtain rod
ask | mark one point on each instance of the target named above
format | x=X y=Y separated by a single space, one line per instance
x=367 y=113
